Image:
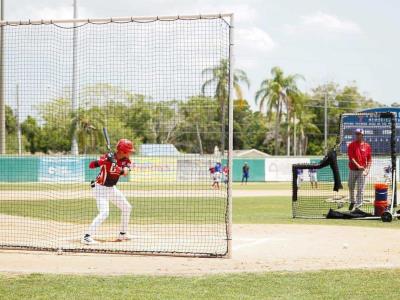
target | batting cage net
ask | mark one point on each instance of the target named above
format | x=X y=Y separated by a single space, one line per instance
x=338 y=187
x=160 y=87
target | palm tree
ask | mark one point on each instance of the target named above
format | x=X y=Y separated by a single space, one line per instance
x=302 y=124
x=220 y=80
x=277 y=93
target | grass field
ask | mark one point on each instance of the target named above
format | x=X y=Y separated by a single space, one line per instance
x=343 y=284
x=340 y=284
x=247 y=210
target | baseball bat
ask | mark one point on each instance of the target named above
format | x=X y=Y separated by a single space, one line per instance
x=105 y=132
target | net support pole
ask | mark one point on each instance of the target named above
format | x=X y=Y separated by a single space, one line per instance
x=230 y=137
x=326 y=123
x=74 y=143
x=18 y=121
x=2 y=102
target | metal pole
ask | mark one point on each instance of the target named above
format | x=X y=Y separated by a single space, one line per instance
x=2 y=102
x=119 y=19
x=18 y=122
x=294 y=135
x=326 y=123
x=230 y=139
x=74 y=144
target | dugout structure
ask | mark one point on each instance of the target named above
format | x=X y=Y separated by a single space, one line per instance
x=330 y=196
x=163 y=82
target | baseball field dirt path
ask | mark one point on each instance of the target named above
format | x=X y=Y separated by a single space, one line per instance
x=256 y=248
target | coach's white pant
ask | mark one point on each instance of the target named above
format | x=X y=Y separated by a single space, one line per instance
x=357 y=177
x=103 y=195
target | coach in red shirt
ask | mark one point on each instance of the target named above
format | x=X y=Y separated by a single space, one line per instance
x=359 y=153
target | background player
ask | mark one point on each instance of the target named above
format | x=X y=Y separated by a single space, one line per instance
x=387 y=174
x=300 y=178
x=225 y=174
x=217 y=175
x=359 y=153
x=112 y=166
x=245 y=173
x=313 y=178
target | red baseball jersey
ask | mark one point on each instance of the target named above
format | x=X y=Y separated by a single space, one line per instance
x=109 y=173
x=360 y=152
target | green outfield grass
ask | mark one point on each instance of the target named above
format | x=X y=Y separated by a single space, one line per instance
x=82 y=211
x=41 y=186
x=246 y=210
x=342 y=284
x=278 y=210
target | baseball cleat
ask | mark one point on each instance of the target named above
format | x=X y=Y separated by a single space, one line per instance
x=88 y=240
x=124 y=237
x=351 y=206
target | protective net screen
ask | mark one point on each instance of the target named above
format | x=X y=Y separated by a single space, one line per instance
x=367 y=186
x=164 y=86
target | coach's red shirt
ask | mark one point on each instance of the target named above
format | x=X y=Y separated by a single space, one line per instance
x=109 y=174
x=360 y=152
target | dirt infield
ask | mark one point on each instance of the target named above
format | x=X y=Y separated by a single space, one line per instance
x=256 y=248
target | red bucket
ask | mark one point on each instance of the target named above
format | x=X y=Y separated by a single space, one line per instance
x=380 y=207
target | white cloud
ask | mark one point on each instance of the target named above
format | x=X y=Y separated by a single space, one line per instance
x=54 y=13
x=255 y=39
x=324 y=22
x=331 y=22
x=251 y=44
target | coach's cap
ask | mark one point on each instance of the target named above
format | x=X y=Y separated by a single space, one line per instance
x=359 y=131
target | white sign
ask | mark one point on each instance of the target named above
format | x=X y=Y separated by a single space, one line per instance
x=280 y=168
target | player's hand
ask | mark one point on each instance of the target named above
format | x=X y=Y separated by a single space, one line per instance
x=366 y=171
x=125 y=171
x=361 y=168
x=122 y=171
x=110 y=157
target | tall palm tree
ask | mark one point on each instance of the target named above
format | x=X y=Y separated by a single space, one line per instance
x=219 y=78
x=277 y=93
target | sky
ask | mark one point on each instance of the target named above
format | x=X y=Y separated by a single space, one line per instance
x=332 y=40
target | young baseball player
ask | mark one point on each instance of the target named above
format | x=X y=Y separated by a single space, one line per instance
x=212 y=174
x=225 y=173
x=313 y=177
x=112 y=166
x=217 y=175
x=387 y=174
x=300 y=178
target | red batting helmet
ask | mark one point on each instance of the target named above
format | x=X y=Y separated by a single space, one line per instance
x=125 y=145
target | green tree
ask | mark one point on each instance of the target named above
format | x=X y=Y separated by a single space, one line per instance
x=277 y=93
x=218 y=79
x=58 y=120
x=32 y=132
x=302 y=124
x=346 y=99
x=165 y=121
x=138 y=117
x=198 y=131
x=11 y=130
x=89 y=129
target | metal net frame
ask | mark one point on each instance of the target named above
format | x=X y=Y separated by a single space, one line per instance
x=321 y=190
x=165 y=83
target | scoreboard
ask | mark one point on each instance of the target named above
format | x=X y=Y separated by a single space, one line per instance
x=377 y=131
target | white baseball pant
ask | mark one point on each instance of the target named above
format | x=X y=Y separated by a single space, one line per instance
x=103 y=195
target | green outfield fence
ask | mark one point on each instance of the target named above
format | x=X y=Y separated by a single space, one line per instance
x=68 y=168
